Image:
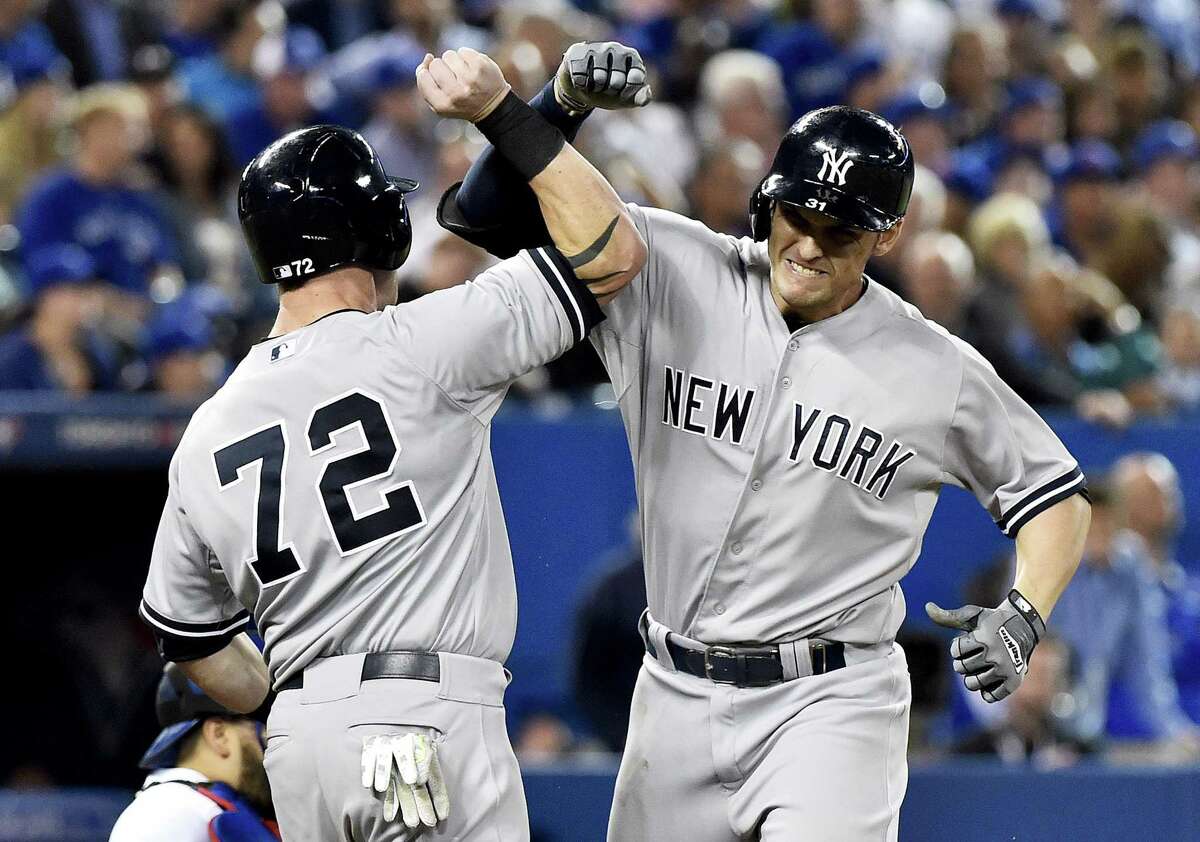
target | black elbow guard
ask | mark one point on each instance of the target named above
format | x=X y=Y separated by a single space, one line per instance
x=523 y=227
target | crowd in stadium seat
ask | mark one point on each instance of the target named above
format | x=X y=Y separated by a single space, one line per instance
x=1055 y=221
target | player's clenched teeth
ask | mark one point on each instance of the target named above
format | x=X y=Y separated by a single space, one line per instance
x=801 y=269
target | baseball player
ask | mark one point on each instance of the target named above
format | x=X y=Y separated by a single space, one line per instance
x=207 y=779
x=791 y=423
x=340 y=485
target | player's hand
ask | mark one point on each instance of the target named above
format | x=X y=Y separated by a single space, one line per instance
x=405 y=769
x=463 y=83
x=601 y=74
x=992 y=654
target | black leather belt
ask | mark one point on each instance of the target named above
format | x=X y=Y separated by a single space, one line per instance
x=750 y=666
x=422 y=666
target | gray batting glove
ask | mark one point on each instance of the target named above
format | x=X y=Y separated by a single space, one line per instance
x=601 y=74
x=993 y=654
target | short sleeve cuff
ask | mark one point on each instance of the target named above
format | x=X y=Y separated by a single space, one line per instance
x=1042 y=497
x=577 y=301
x=179 y=641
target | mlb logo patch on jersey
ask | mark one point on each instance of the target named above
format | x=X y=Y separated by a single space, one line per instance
x=282 y=351
x=281 y=272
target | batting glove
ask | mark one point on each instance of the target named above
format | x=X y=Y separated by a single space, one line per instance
x=596 y=74
x=992 y=655
x=405 y=769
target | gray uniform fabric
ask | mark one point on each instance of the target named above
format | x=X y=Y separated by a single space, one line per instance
x=340 y=485
x=463 y=714
x=785 y=479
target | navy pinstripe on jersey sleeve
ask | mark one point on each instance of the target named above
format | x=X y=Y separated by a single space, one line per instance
x=576 y=299
x=1037 y=500
x=179 y=641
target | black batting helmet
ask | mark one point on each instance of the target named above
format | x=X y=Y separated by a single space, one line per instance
x=844 y=162
x=180 y=706
x=317 y=200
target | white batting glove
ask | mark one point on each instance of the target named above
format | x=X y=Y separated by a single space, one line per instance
x=406 y=770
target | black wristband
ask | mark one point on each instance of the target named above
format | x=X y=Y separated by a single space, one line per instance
x=523 y=136
x=546 y=104
x=1025 y=609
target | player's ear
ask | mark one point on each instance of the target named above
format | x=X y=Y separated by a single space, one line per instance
x=219 y=736
x=888 y=239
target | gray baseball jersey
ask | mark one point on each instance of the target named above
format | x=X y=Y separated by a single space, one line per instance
x=786 y=478
x=340 y=486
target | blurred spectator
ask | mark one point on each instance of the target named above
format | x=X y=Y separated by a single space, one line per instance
x=152 y=70
x=1027 y=34
x=93 y=36
x=726 y=175
x=1136 y=256
x=1033 y=724
x=922 y=116
x=198 y=175
x=450 y=262
x=454 y=155
x=58 y=348
x=974 y=68
x=1137 y=69
x=968 y=185
x=33 y=82
x=870 y=82
x=1164 y=159
x=1091 y=111
x=1030 y=122
x=816 y=54
x=542 y=738
x=399 y=128
x=285 y=68
x=96 y=202
x=434 y=25
x=1180 y=377
x=223 y=82
x=742 y=96
x=1048 y=342
x=608 y=649
x=1084 y=214
x=939 y=279
x=180 y=346
x=678 y=38
x=192 y=29
x=1113 y=616
x=1008 y=236
x=1149 y=488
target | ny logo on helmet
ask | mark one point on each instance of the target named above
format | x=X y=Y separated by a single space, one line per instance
x=834 y=166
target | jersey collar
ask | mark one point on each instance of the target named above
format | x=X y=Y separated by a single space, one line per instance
x=310 y=324
x=174 y=774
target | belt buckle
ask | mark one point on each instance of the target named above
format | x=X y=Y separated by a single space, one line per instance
x=818 y=647
x=724 y=653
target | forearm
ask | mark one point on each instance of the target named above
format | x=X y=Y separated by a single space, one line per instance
x=588 y=222
x=236 y=676
x=584 y=216
x=1049 y=548
x=494 y=196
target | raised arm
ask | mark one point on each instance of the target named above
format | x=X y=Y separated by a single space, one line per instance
x=493 y=207
x=585 y=218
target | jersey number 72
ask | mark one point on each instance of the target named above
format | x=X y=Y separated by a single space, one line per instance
x=400 y=510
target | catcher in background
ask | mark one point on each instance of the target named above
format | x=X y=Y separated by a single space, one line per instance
x=207 y=780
